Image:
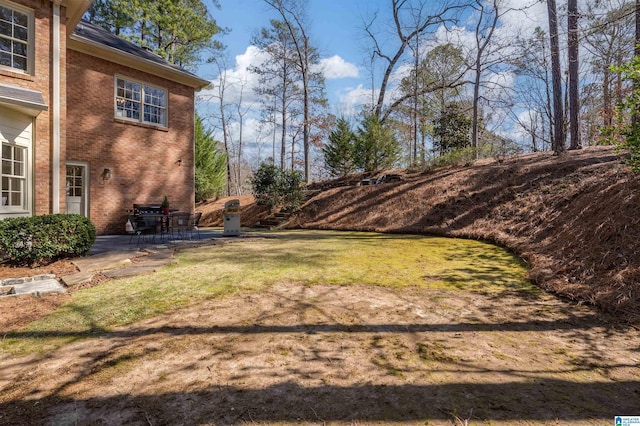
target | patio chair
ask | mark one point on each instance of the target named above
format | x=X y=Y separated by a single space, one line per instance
x=181 y=225
x=196 y=223
x=140 y=228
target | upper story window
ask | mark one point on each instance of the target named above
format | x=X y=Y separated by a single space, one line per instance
x=139 y=102
x=16 y=42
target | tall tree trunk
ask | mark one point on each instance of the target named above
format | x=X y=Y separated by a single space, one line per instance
x=283 y=136
x=293 y=153
x=239 y=169
x=307 y=119
x=283 y=109
x=636 y=52
x=225 y=139
x=558 y=141
x=273 y=140
x=476 y=99
x=548 y=113
x=607 y=119
x=413 y=156
x=482 y=42
x=574 y=98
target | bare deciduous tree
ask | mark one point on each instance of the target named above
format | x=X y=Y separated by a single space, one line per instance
x=558 y=141
x=405 y=34
x=220 y=117
x=609 y=39
x=293 y=15
x=276 y=78
x=574 y=95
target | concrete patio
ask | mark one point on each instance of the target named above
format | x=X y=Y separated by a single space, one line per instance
x=106 y=243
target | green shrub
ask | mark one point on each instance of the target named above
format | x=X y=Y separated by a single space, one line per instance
x=626 y=132
x=274 y=187
x=465 y=156
x=40 y=239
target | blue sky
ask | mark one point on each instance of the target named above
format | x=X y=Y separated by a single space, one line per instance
x=335 y=23
x=336 y=31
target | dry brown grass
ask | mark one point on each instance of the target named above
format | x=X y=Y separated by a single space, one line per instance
x=572 y=218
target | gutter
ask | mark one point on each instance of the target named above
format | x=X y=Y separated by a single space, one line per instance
x=55 y=111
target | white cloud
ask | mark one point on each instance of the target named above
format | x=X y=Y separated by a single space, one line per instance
x=458 y=36
x=335 y=68
x=499 y=81
x=524 y=18
x=239 y=81
x=351 y=100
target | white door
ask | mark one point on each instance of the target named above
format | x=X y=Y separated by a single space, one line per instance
x=77 y=189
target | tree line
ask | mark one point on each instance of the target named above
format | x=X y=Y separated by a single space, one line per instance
x=445 y=76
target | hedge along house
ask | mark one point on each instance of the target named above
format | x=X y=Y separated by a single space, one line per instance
x=89 y=123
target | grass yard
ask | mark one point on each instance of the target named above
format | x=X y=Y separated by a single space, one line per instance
x=321 y=326
x=302 y=257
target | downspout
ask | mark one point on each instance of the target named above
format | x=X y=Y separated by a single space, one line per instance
x=55 y=163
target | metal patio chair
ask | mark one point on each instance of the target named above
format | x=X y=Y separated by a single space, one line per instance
x=140 y=228
x=181 y=225
x=196 y=223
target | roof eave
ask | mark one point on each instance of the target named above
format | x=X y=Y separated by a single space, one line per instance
x=98 y=50
x=75 y=10
x=29 y=108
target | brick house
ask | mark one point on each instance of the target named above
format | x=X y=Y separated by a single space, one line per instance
x=89 y=123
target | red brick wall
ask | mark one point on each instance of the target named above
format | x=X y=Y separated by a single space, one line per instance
x=143 y=159
x=41 y=80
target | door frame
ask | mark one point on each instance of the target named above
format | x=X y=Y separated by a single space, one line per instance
x=85 y=185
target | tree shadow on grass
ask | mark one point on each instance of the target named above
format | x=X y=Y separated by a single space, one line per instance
x=539 y=400
x=507 y=394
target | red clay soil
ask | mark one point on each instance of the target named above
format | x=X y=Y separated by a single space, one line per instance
x=58 y=268
x=250 y=213
x=572 y=218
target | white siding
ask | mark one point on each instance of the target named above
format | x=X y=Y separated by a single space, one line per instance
x=17 y=128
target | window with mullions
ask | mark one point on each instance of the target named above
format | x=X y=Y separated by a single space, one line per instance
x=139 y=102
x=13 y=176
x=15 y=44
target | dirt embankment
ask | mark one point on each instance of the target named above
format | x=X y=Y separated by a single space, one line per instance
x=574 y=218
x=250 y=213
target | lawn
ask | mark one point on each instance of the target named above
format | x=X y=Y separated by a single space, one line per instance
x=321 y=326
x=303 y=257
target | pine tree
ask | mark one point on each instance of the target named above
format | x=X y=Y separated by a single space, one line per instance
x=452 y=130
x=210 y=164
x=177 y=30
x=376 y=148
x=339 y=152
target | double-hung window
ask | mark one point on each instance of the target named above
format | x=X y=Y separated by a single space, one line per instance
x=16 y=39
x=14 y=176
x=140 y=102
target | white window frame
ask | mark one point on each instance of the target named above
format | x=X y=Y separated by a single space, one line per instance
x=30 y=37
x=25 y=187
x=120 y=101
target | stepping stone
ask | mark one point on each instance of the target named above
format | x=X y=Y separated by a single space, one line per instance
x=41 y=286
x=78 y=278
x=100 y=262
x=129 y=271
